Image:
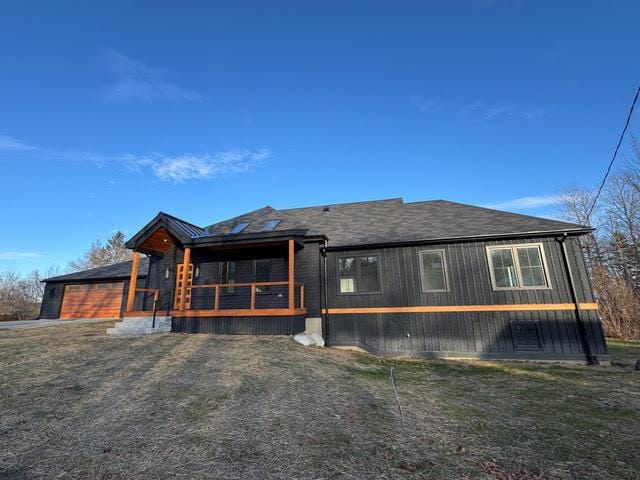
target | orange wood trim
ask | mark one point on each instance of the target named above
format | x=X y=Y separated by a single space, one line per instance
x=253 y=297
x=217 y=300
x=132 y=281
x=464 y=308
x=301 y=296
x=185 y=275
x=265 y=312
x=257 y=284
x=148 y=290
x=291 y=278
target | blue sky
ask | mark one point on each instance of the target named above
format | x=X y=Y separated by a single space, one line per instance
x=113 y=111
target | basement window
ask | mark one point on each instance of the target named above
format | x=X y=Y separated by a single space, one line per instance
x=270 y=225
x=239 y=227
x=518 y=267
x=358 y=274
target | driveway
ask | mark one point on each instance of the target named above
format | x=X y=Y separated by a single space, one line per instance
x=21 y=324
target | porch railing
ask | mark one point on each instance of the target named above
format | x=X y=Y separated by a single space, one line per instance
x=253 y=286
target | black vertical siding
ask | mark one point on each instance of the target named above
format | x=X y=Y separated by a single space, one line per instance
x=489 y=334
x=51 y=300
x=273 y=325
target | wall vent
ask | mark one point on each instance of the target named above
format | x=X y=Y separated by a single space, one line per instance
x=526 y=335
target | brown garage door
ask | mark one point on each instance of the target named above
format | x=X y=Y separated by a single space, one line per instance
x=95 y=300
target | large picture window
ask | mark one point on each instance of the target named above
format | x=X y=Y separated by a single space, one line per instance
x=518 y=267
x=262 y=273
x=433 y=272
x=228 y=276
x=358 y=274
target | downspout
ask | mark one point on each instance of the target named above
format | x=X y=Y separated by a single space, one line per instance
x=325 y=310
x=582 y=330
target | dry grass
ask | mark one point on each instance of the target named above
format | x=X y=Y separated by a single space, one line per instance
x=77 y=404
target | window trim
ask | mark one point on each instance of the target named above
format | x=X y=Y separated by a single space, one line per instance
x=363 y=255
x=445 y=270
x=516 y=262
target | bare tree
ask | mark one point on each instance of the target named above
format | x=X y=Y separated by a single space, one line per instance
x=575 y=208
x=100 y=255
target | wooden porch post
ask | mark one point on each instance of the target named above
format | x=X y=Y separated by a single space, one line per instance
x=132 y=281
x=291 y=277
x=185 y=276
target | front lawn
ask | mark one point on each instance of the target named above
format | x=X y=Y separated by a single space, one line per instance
x=75 y=403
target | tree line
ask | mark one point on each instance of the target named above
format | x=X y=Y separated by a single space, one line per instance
x=21 y=295
x=612 y=252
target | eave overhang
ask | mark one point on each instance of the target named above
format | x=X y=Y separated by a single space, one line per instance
x=247 y=239
x=459 y=239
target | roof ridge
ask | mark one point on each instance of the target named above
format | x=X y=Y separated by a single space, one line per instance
x=513 y=213
x=395 y=199
x=179 y=219
x=241 y=215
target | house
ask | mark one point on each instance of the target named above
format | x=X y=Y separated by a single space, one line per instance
x=432 y=279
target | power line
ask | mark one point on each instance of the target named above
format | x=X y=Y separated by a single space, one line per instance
x=615 y=154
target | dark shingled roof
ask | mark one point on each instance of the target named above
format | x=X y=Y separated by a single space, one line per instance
x=116 y=271
x=393 y=220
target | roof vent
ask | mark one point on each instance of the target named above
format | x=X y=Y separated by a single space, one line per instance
x=326 y=209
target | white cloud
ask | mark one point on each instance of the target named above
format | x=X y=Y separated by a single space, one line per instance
x=173 y=168
x=486 y=111
x=19 y=255
x=528 y=203
x=139 y=82
x=13 y=144
x=187 y=166
x=425 y=105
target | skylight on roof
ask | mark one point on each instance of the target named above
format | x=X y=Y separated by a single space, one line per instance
x=239 y=227
x=270 y=225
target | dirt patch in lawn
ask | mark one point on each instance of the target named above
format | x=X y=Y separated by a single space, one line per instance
x=75 y=403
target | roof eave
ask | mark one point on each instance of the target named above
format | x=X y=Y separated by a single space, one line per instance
x=469 y=238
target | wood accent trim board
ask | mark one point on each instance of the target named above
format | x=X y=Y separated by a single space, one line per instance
x=463 y=308
x=291 y=275
x=131 y=295
x=260 y=312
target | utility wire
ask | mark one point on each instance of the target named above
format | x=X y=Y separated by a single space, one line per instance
x=615 y=154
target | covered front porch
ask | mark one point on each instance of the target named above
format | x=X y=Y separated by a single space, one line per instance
x=208 y=277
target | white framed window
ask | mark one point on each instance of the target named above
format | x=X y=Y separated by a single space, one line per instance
x=433 y=271
x=518 y=267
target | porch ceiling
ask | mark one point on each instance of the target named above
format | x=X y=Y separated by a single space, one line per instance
x=159 y=242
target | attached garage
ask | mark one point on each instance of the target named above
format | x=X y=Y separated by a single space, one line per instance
x=96 y=293
x=92 y=300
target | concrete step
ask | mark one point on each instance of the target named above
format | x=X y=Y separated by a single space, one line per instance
x=141 y=326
